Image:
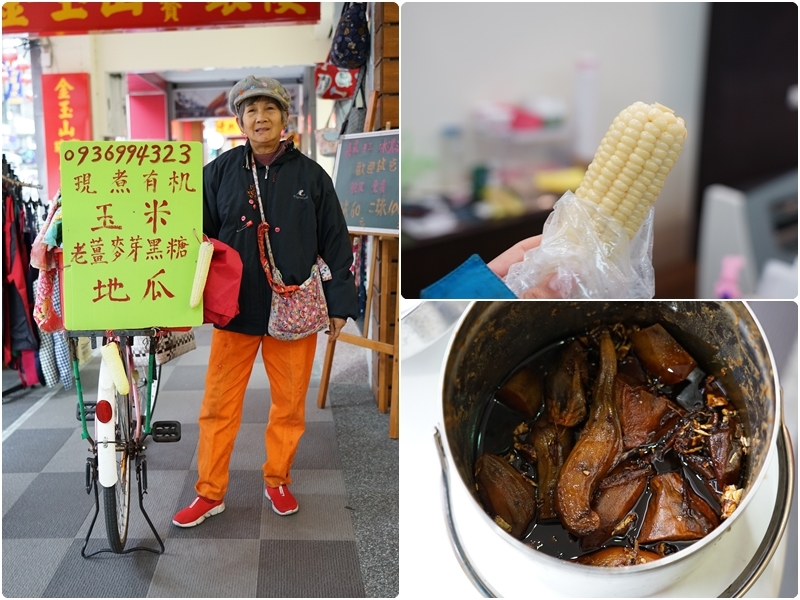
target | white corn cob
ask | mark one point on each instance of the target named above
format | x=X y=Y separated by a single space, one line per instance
x=630 y=166
x=110 y=354
x=201 y=273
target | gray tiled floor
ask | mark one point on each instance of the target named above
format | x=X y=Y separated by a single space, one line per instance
x=344 y=477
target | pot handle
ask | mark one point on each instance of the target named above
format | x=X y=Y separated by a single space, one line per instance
x=463 y=560
x=777 y=525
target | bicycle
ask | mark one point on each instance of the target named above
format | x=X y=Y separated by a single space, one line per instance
x=123 y=422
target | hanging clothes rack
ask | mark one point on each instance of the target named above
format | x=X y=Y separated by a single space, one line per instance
x=16 y=182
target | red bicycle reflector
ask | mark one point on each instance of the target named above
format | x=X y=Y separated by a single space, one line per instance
x=103 y=411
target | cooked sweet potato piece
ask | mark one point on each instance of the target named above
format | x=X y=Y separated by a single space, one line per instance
x=595 y=453
x=675 y=512
x=522 y=392
x=632 y=369
x=565 y=396
x=700 y=464
x=553 y=444
x=617 y=556
x=640 y=412
x=505 y=493
x=725 y=448
x=661 y=355
x=615 y=497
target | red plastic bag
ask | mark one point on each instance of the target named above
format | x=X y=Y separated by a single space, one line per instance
x=221 y=294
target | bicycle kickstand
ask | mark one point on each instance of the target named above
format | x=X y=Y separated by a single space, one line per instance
x=141 y=476
x=141 y=479
x=91 y=484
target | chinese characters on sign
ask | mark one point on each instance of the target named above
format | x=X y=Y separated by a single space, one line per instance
x=49 y=18
x=132 y=222
x=367 y=173
x=67 y=116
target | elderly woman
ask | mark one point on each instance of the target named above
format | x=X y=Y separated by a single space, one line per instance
x=305 y=221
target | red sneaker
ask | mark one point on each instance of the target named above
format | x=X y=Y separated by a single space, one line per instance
x=197 y=511
x=282 y=500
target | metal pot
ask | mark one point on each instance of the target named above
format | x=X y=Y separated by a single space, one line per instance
x=423 y=323
x=492 y=338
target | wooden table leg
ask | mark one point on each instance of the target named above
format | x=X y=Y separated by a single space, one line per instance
x=394 y=414
x=326 y=373
x=386 y=285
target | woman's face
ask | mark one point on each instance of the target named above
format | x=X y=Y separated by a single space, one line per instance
x=262 y=122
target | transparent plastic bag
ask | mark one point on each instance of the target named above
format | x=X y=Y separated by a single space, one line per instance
x=584 y=262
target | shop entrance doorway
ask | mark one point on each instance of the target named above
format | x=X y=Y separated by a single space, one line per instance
x=192 y=105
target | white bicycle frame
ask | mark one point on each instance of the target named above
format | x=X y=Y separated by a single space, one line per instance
x=105 y=435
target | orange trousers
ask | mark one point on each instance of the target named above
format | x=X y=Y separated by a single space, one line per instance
x=288 y=365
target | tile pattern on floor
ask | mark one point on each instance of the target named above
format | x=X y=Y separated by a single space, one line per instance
x=347 y=489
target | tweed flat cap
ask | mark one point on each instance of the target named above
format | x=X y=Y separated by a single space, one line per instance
x=258 y=86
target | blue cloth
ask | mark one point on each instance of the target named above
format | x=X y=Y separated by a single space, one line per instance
x=473 y=280
x=52 y=237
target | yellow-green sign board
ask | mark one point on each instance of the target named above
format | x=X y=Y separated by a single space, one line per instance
x=132 y=222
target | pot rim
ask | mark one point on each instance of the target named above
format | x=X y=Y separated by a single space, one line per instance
x=424 y=322
x=675 y=558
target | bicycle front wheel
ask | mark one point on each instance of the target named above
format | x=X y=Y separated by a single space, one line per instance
x=117 y=499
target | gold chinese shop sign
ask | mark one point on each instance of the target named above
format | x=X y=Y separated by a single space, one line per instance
x=132 y=215
x=67 y=116
x=54 y=18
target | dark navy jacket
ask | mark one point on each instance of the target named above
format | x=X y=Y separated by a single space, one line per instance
x=305 y=218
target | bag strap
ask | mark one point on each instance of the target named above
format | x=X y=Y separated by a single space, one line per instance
x=274 y=276
x=362 y=76
x=268 y=261
x=330 y=116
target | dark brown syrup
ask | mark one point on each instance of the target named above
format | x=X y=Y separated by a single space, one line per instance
x=495 y=436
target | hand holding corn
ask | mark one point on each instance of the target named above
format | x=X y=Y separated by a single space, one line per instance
x=632 y=162
x=590 y=247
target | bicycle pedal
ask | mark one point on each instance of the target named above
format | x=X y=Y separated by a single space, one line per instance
x=166 y=431
x=88 y=407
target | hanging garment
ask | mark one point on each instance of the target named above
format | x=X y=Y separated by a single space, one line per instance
x=28 y=371
x=23 y=331
x=47 y=356
x=47 y=353
x=60 y=342
x=42 y=256
x=20 y=335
